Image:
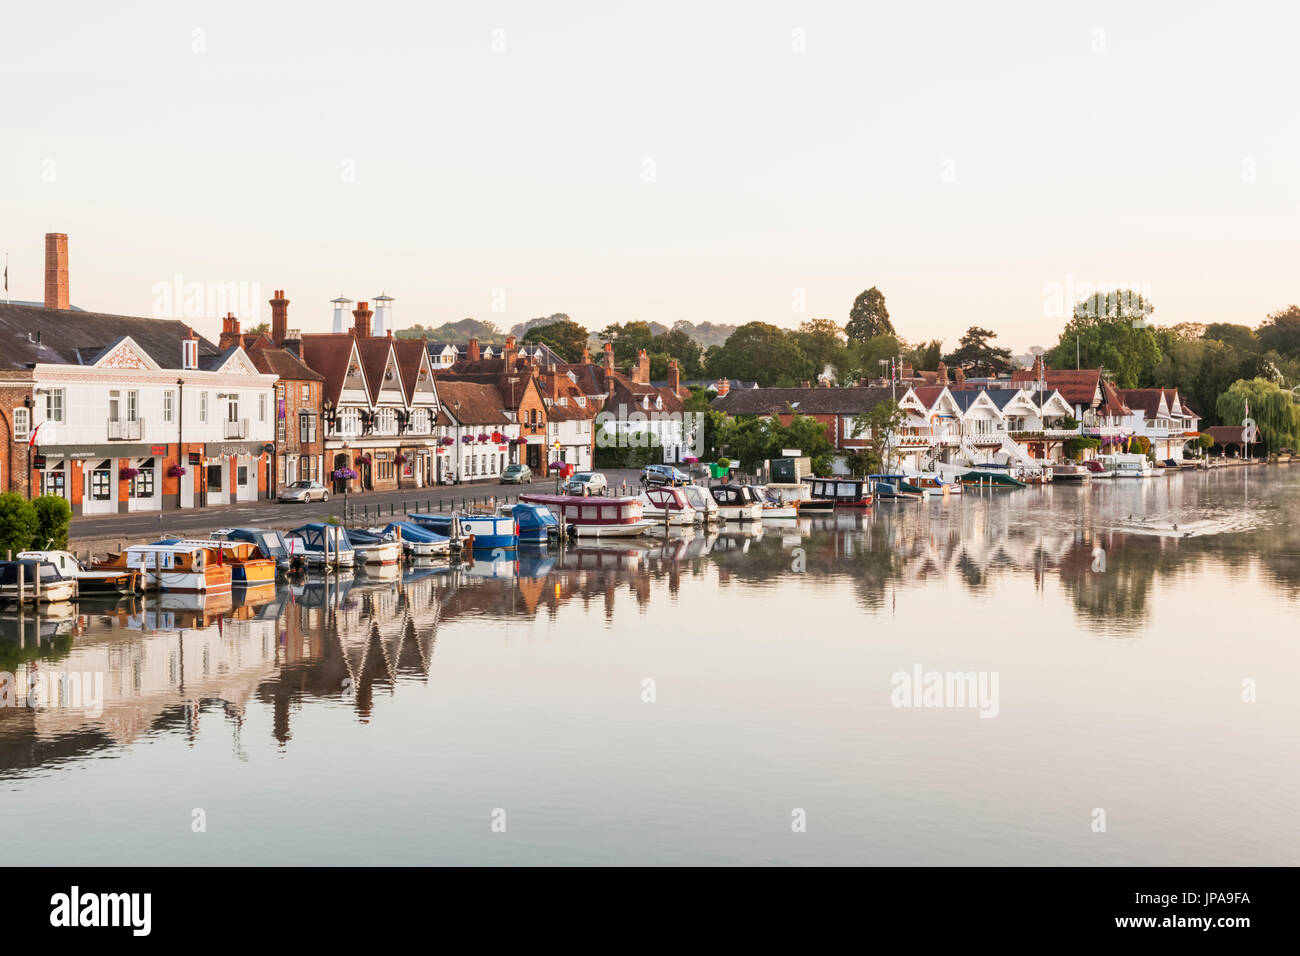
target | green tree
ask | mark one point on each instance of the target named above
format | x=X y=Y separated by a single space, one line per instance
x=677 y=343
x=824 y=343
x=53 y=516
x=975 y=356
x=1275 y=411
x=1129 y=352
x=262 y=328
x=1280 y=332
x=1073 y=448
x=761 y=353
x=868 y=317
x=566 y=337
x=1240 y=337
x=877 y=426
x=18 y=523
x=629 y=339
x=924 y=355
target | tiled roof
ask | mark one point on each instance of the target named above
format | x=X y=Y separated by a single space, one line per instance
x=375 y=353
x=410 y=354
x=33 y=334
x=806 y=401
x=1146 y=399
x=479 y=403
x=1077 y=386
x=328 y=353
x=281 y=362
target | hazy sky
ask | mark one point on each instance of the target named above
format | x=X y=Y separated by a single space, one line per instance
x=664 y=161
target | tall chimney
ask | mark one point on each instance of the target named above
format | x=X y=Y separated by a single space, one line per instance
x=230 y=336
x=510 y=353
x=586 y=355
x=361 y=320
x=642 y=367
x=279 y=318
x=723 y=386
x=383 y=314
x=674 y=376
x=942 y=377
x=56 y=270
x=959 y=377
x=473 y=348
x=342 y=306
x=609 y=356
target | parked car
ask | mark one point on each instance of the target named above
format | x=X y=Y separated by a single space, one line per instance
x=662 y=475
x=516 y=475
x=586 y=483
x=304 y=491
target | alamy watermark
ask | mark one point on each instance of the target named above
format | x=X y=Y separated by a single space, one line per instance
x=181 y=299
x=65 y=690
x=975 y=690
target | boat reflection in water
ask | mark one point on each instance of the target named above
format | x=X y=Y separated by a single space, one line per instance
x=520 y=674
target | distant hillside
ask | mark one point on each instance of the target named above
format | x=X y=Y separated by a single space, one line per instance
x=457 y=333
x=706 y=333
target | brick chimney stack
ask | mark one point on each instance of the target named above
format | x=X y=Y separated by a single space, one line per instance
x=1038 y=367
x=511 y=352
x=473 y=348
x=674 y=376
x=586 y=355
x=942 y=377
x=642 y=368
x=723 y=386
x=56 y=270
x=609 y=356
x=279 y=318
x=361 y=320
x=230 y=335
x=959 y=376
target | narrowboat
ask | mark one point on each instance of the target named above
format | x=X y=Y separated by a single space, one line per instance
x=480 y=531
x=825 y=494
x=88 y=581
x=667 y=501
x=737 y=503
x=1098 y=469
x=248 y=566
x=706 y=509
x=272 y=544
x=418 y=542
x=321 y=545
x=185 y=567
x=595 y=517
x=374 y=548
x=31 y=581
x=535 y=522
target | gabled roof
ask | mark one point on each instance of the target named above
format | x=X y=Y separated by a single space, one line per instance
x=411 y=356
x=479 y=403
x=329 y=353
x=853 y=400
x=967 y=397
x=1147 y=400
x=270 y=360
x=32 y=334
x=1111 y=403
x=1077 y=386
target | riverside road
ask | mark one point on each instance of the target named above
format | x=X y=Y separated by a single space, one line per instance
x=367 y=508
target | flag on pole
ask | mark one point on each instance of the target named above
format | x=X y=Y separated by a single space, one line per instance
x=31 y=442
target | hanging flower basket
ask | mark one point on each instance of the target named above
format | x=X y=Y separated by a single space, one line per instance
x=520 y=441
x=344 y=474
x=691 y=460
x=483 y=436
x=466 y=439
x=401 y=458
x=126 y=474
x=363 y=459
x=447 y=441
x=555 y=466
x=176 y=471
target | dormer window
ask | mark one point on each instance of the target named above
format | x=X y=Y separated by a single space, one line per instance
x=582 y=401
x=190 y=354
x=572 y=378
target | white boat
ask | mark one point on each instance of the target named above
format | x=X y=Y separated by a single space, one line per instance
x=595 y=517
x=774 y=504
x=50 y=588
x=668 y=502
x=1098 y=469
x=737 y=503
x=181 y=566
x=706 y=509
x=1129 y=466
x=89 y=581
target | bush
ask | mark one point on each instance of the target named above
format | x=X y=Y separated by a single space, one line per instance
x=53 y=515
x=18 y=523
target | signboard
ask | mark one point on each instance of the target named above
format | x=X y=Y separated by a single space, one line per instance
x=791 y=453
x=38 y=462
x=159 y=450
x=195 y=458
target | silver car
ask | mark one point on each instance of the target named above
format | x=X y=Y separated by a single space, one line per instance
x=586 y=483
x=304 y=491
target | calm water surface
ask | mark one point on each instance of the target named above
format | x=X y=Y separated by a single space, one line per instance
x=386 y=721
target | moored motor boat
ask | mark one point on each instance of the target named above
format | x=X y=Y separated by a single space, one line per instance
x=248 y=565
x=480 y=531
x=667 y=502
x=774 y=506
x=417 y=541
x=1070 y=473
x=321 y=545
x=706 y=509
x=194 y=567
x=826 y=494
x=736 y=503
x=89 y=581
x=535 y=522
x=589 y=517
x=271 y=544
x=373 y=547
x=1098 y=469
x=33 y=581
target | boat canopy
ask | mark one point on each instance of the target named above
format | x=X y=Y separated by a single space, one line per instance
x=313 y=537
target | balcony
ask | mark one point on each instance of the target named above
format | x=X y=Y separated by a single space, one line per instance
x=122 y=430
x=235 y=429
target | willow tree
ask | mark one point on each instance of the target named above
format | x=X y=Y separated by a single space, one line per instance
x=1275 y=411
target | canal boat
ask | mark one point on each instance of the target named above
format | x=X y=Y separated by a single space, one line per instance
x=737 y=503
x=374 y=548
x=33 y=581
x=706 y=509
x=321 y=545
x=614 y=517
x=271 y=544
x=248 y=565
x=826 y=494
x=667 y=502
x=418 y=542
x=186 y=567
x=1071 y=473
x=1098 y=469
x=465 y=529
x=536 y=523
x=89 y=581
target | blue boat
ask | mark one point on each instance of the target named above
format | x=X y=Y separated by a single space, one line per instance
x=418 y=541
x=536 y=522
x=487 y=531
x=321 y=545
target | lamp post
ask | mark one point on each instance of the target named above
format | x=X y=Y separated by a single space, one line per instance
x=27 y=404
